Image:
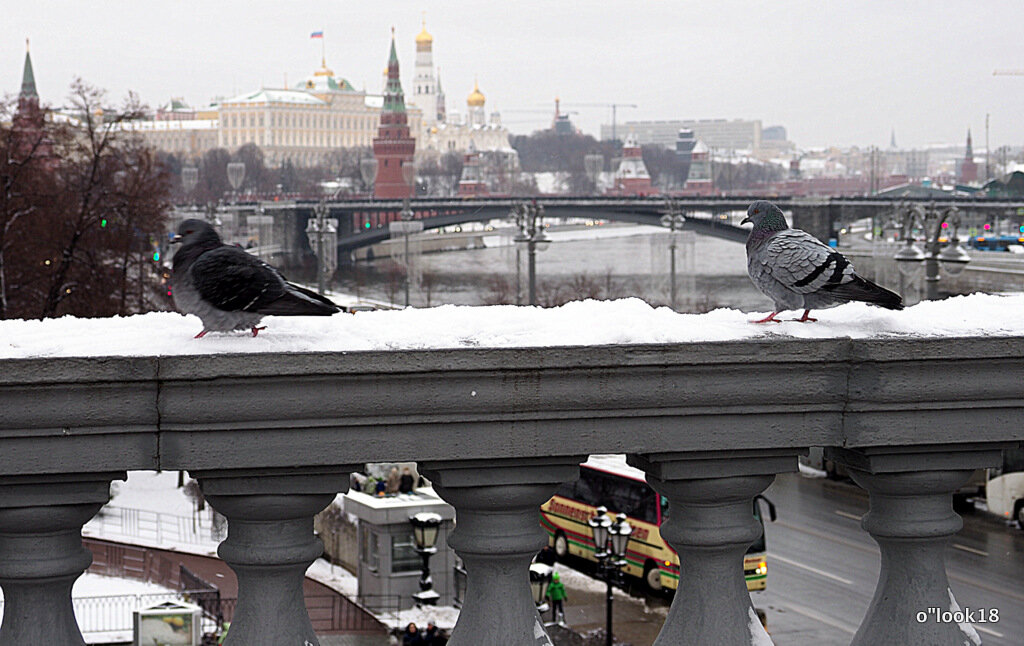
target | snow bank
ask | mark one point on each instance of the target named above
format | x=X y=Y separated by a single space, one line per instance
x=577 y=323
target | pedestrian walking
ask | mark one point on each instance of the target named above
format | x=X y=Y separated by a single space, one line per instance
x=412 y=636
x=557 y=595
x=546 y=556
x=434 y=636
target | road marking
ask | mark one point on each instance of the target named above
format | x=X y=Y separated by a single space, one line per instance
x=868 y=549
x=846 y=514
x=987 y=630
x=809 y=568
x=816 y=616
x=970 y=549
x=985 y=586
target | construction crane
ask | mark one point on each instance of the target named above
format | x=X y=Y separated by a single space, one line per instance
x=534 y=111
x=613 y=106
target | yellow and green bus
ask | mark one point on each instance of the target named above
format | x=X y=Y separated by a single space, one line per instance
x=606 y=480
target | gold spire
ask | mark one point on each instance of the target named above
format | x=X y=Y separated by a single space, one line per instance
x=476 y=97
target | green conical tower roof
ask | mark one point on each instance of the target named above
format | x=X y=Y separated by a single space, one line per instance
x=394 y=98
x=28 y=78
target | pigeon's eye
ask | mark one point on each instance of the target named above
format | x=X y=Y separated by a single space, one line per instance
x=193 y=230
x=756 y=211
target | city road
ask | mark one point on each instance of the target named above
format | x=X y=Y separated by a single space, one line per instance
x=823 y=569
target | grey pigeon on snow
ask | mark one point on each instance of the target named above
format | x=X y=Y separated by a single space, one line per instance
x=230 y=289
x=797 y=271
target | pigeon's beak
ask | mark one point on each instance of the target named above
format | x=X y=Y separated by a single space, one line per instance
x=176 y=239
x=745 y=220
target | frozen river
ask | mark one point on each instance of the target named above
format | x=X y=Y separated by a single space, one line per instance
x=611 y=261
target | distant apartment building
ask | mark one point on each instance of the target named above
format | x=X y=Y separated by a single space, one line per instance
x=912 y=163
x=717 y=134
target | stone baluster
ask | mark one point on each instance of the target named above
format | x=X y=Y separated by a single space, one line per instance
x=710 y=525
x=41 y=553
x=270 y=544
x=497 y=533
x=911 y=518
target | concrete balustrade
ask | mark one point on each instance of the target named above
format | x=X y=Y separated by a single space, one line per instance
x=270 y=545
x=272 y=437
x=710 y=526
x=41 y=553
x=497 y=534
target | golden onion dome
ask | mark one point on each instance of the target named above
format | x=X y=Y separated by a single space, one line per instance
x=424 y=38
x=476 y=97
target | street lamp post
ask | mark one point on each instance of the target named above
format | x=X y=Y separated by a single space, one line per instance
x=529 y=218
x=611 y=540
x=407 y=225
x=540 y=579
x=320 y=211
x=236 y=175
x=934 y=223
x=189 y=180
x=593 y=164
x=368 y=171
x=674 y=220
x=425 y=526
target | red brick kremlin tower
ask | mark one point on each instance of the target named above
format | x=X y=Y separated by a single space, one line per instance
x=393 y=144
x=29 y=138
x=968 y=167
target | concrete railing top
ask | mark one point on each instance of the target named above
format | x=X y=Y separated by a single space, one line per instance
x=274 y=409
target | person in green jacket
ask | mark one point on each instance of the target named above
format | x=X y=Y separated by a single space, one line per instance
x=557 y=595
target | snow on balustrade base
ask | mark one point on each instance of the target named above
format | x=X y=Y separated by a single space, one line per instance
x=625 y=321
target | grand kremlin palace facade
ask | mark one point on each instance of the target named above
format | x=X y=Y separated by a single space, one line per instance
x=303 y=124
x=322 y=113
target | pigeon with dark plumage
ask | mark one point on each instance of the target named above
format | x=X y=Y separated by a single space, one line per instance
x=797 y=271
x=230 y=289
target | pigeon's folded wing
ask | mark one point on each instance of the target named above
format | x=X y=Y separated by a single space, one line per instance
x=802 y=263
x=231 y=279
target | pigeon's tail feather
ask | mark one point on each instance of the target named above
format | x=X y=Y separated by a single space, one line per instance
x=299 y=301
x=861 y=289
x=317 y=297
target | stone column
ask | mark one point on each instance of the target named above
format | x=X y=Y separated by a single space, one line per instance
x=270 y=545
x=710 y=525
x=813 y=215
x=41 y=553
x=497 y=533
x=911 y=518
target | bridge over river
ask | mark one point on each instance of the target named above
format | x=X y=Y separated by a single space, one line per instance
x=364 y=222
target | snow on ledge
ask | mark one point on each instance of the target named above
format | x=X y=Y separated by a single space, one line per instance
x=624 y=321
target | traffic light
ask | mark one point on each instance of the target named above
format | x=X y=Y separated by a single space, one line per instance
x=103 y=223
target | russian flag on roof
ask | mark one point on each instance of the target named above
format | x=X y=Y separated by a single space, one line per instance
x=317 y=34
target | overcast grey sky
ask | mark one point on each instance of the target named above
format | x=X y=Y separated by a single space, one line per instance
x=832 y=73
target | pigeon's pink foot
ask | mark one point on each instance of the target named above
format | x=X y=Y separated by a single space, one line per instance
x=805 y=318
x=769 y=319
x=256 y=330
x=201 y=334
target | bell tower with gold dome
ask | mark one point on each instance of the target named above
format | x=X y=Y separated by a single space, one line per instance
x=424 y=84
x=475 y=106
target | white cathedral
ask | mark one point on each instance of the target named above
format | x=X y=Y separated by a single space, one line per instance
x=444 y=132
